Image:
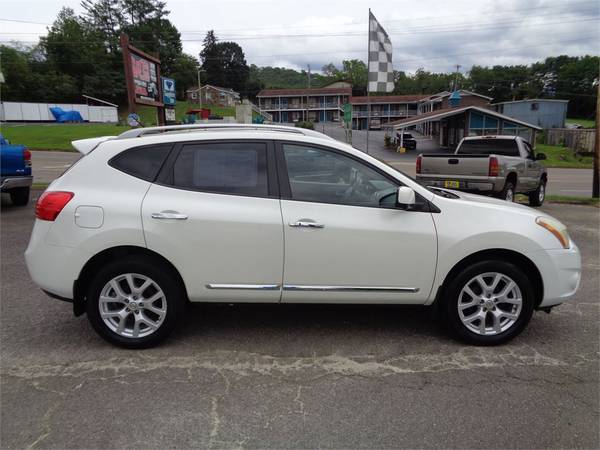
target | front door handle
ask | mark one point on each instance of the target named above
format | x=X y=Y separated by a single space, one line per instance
x=306 y=224
x=173 y=215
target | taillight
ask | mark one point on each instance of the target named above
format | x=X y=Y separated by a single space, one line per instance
x=50 y=204
x=494 y=168
x=419 y=164
x=27 y=157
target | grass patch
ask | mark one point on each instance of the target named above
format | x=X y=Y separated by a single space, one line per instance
x=585 y=123
x=59 y=136
x=52 y=136
x=573 y=200
x=563 y=157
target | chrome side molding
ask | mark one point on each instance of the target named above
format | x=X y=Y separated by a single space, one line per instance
x=253 y=287
x=300 y=287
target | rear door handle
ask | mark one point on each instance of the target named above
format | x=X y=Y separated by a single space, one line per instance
x=173 y=215
x=306 y=224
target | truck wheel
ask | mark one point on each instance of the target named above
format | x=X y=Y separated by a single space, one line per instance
x=508 y=193
x=20 y=196
x=537 y=197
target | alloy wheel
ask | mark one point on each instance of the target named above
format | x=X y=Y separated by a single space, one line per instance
x=490 y=304
x=132 y=305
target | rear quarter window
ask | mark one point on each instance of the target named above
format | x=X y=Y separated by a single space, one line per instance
x=142 y=162
x=506 y=147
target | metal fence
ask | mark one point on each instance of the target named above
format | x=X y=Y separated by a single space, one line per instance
x=581 y=140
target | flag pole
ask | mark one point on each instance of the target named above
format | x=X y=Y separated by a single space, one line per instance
x=368 y=97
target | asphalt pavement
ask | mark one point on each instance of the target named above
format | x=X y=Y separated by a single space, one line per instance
x=294 y=376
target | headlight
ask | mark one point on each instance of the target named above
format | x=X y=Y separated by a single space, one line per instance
x=556 y=228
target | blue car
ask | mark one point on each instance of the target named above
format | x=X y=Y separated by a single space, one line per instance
x=16 y=180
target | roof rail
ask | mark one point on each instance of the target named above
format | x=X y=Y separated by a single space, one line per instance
x=139 y=132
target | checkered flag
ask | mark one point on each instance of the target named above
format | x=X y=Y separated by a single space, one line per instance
x=381 y=72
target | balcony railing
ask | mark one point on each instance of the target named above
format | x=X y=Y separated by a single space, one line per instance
x=391 y=113
x=275 y=106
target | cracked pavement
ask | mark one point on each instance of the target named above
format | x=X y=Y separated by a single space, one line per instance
x=294 y=376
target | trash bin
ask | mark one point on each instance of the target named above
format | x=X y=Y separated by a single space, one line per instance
x=204 y=113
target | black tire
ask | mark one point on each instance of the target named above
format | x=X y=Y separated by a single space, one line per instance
x=508 y=192
x=452 y=292
x=19 y=196
x=537 y=197
x=158 y=272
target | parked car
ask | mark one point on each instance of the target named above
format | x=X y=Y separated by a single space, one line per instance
x=155 y=218
x=502 y=166
x=407 y=140
x=15 y=166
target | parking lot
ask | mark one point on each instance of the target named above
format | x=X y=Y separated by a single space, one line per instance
x=292 y=376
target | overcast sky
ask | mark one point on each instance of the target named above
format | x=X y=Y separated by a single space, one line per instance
x=434 y=35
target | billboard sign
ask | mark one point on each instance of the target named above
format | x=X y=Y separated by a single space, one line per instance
x=168 y=88
x=145 y=78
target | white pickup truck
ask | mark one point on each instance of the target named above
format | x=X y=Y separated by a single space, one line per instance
x=502 y=166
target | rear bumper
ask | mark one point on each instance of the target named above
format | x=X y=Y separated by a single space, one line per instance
x=483 y=184
x=15 y=182
x=561 y=273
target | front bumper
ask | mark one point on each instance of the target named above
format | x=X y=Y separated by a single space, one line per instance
x=15 y=182
x=561 y=273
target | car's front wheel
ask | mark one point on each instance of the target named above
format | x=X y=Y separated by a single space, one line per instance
x=134 y=302
x=537 y=197
x=488 y=303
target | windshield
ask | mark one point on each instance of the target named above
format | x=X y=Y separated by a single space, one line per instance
x=507 y=147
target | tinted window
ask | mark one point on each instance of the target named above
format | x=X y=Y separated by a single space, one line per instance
x=142 y=162
x=319 y=175
x=507 y=147
x=228 y=168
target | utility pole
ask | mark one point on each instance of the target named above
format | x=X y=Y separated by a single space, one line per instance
x=200 y=88
x=596 y=177
x=308 y=74
x=458 y=66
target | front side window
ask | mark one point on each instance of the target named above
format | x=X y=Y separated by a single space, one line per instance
x=227 y=168
x=318 y=175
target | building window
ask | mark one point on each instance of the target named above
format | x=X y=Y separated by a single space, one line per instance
x=193 y=95
x=482 y=125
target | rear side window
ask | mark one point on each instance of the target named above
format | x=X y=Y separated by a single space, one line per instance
x=506 y=147
x=142 y=162
x=227 y=168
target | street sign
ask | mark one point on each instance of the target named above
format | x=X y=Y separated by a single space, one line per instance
x=170 y=114
x=133 y=120
x=168 y=88
x=347 y=112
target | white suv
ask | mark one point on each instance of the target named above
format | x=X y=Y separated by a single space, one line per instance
x=158 y=217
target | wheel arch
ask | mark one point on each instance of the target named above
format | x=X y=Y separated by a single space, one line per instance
x=80 y=285
x=511 y=256
x=511 y=177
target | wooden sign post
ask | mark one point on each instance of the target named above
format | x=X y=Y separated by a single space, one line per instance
x=142 y=75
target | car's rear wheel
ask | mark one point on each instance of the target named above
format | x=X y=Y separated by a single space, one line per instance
x=488 y=303
x=537 y=197
x=134 y=302
x=19 y=196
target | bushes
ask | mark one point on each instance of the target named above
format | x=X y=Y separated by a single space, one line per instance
x=305 y=124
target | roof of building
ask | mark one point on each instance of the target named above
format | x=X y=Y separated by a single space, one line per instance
x=462 y=92
x=532 y=100
x=305 y=91
x=375 y=99
x=439 y=114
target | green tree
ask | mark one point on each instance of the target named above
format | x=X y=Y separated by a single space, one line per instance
x=224 y=63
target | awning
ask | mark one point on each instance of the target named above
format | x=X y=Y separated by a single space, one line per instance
x=437 y=115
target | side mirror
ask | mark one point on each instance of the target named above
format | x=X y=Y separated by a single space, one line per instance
x=540 y=156
x=405 y=198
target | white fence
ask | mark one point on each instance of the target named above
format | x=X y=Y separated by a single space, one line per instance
x=40 y=112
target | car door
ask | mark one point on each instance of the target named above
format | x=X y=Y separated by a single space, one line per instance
x=345 y=240
x=214 y=214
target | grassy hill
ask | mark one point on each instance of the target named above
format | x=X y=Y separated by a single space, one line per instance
x=52 y=136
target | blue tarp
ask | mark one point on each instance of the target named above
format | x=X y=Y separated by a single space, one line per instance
x=65 y=116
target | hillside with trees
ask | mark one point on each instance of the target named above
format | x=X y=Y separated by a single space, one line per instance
x=81 y=55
